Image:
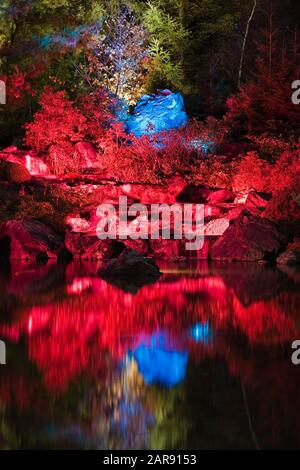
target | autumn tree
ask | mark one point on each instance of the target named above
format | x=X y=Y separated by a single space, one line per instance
x=264 y=103
x=169 y=40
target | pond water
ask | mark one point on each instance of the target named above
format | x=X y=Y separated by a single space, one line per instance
x=199 y=360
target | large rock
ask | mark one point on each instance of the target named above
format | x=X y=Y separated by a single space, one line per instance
x=291 y=256
x=216 y=227
x=14 y=172
x=219 y=196
x=141 y=246
x=10 y=150
x=200 y=194
x=35 y=166
x=130 y=271
x=89 y=158
x=157 y=113
x=30 y=240
x=255 y=199
x=248 y=238
x=89 y=247
x=194 y=193
x=155 y=193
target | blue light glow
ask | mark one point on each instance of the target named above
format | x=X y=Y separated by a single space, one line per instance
x=201 y=332
x=159 y=363
x=157 y=113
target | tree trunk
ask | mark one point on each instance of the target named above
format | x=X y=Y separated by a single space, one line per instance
x=245 y=41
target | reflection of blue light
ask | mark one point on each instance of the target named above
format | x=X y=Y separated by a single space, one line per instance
x=158 y=364
x=200 y=332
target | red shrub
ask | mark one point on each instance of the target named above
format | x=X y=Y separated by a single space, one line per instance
x=252 y=173
x=98 y=110
x=58 y=122
x=285 y=204
x=264 y=105
x=19 y=84
x=285 y=171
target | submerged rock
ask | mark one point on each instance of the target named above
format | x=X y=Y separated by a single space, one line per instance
x=157 y=113
x=30 y=240
x=130 y=271
x=248 y=238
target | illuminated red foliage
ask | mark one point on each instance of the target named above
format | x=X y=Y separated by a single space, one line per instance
x=264 y=103
x=19 y=85
x=58 y=124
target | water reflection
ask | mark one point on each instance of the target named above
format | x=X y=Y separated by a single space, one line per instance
x=200 y=359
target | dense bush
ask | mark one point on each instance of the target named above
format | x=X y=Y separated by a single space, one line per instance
x=56 y=123
x=284 y=205
x=260 y=107
x=201 y=152
x=252 y=173
x=60 y=124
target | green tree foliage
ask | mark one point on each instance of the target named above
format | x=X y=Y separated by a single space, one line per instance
x=195 y=46
x=23 y=26
x=169 y=39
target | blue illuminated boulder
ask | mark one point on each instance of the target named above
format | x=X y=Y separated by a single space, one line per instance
x=157 y=113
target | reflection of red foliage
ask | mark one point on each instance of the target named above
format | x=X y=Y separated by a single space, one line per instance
x=263 y=322
x=17 y=390
x=72 y=334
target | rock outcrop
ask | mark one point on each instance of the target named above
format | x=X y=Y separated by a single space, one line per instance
x=255 y=199
x=89 y=247
x=30 y=240
x=201 y=194
x=14 y=172
x=249 y=238
x=88 y=155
